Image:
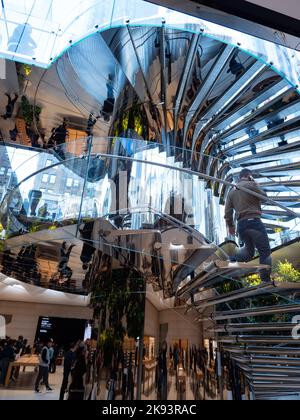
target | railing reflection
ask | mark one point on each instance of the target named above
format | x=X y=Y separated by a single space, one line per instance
x=64 y=185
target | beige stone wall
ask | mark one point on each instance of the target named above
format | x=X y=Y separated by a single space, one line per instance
x=25 y=316
x=151 y=320
x=180 y=325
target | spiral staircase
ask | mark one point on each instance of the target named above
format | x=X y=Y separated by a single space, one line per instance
x=209 y=109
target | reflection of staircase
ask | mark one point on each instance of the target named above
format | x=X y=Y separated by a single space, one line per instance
x=253 y=324
x=192 y=267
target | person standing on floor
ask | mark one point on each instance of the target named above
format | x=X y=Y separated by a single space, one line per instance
x=19 y=346
x=76 y=391
x=51 y=355
x=251 y=230
x=7 y=355
x=68 y=365
x=44 y=368
x=52 y=368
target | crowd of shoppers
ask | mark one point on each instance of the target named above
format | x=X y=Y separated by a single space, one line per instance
x=10 y=350
x=74 y=364
x=74 y=369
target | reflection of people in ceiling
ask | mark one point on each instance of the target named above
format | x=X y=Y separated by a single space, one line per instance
x=10 y=106
x=108 y=106
x=90 y=124
x=65 y=272
x=88 y=250
x=26 y=267
x=21 y=40
x=7 y=262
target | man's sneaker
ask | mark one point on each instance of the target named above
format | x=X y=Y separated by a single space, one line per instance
x=49 y=389
x=37 y=391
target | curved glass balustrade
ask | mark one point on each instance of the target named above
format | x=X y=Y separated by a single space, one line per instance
x=192 y=97
x=77 y=251
x=92 y=166
x=141 y=198
x=75 y=190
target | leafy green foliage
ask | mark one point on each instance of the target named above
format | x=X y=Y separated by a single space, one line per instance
x=253 y=280
x=118 y=299
x=286 y=272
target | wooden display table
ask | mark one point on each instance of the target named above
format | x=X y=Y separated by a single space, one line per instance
x=25 y=361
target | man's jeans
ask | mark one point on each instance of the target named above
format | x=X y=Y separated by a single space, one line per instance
x=43 y=374
x=64 y=385
x=254 y=235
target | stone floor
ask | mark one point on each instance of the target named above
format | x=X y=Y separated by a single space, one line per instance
x=23 y=388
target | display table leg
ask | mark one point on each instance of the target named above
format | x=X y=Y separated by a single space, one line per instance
x=7 y=379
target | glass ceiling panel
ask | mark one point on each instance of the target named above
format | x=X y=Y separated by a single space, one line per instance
x=39 y=31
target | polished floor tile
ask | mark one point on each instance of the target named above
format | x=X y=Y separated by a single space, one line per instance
x=23 y=388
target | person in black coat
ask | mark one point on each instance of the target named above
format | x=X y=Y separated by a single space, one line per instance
x=10 y=106
x=76 y=390
x=69 y=360
x=7 y=355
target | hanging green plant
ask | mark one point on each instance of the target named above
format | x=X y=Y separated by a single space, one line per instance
x=109 y=344
x=118 y=299
x=135 y=315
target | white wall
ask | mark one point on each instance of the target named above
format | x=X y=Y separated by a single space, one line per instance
x=25 y=316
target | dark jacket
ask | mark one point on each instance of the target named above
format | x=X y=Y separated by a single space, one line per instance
x=7 y=353
x=245 y=205
x=69 y=361
x=77 y=374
